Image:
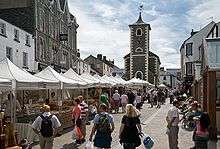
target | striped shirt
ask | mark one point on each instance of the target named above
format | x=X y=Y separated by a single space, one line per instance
x=84 y=109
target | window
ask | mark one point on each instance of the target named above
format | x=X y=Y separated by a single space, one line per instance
x=139 y=49
x=164 y=78
x=25 y=59
x=189 y=49
x=27 y=40
x=9 y=54
x=189 y=68
x=139 y=32
x=16 y=35
x=3 y=29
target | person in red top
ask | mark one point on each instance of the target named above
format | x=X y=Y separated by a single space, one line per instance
x=77 y=120
x=201 y=134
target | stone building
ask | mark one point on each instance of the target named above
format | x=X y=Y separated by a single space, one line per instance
x=100 y=64
x=52 y=27
x=136 y=62
x=153 y=68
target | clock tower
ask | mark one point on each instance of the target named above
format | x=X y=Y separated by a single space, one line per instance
x=139 y=48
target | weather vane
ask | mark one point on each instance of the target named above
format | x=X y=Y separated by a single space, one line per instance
x=141 y=8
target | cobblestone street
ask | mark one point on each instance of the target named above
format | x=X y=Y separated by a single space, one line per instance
x=154 y=124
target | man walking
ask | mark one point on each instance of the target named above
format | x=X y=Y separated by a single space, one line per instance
x=172 y=125
x=46 y=126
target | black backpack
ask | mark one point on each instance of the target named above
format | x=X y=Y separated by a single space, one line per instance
x=103 y=125
x=46 y=126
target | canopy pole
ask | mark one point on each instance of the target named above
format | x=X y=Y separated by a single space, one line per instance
x=13 y=102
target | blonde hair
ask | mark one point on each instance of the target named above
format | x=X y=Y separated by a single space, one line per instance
x=46 y=108
x=131 y=111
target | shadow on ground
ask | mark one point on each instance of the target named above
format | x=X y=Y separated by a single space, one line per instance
x=70 y=146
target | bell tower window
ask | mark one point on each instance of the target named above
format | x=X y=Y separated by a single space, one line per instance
x=139 y=49
x=139 y=32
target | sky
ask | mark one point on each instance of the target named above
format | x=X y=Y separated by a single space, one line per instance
x=103 y=25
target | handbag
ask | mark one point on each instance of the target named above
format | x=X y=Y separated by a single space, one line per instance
x=147 y=141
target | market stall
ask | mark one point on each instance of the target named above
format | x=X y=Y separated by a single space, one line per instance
x=15 y=79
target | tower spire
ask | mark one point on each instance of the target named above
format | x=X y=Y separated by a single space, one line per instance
x=140 y=17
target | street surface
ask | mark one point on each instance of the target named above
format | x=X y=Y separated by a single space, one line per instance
x=154 y=124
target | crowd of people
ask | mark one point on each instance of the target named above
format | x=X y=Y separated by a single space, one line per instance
x=129 y=103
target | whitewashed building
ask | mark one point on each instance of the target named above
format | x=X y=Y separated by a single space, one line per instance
x=82 y=67
x=17 y=45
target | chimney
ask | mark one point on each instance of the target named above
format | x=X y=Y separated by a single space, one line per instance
x=99 y=56
x=193 y=32
x=104 y=58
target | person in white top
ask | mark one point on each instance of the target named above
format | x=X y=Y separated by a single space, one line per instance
x=172 y=125
x=46 y=126
x=116 y=99
x=124 y=101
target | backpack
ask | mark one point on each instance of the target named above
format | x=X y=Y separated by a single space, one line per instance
x=46 y=126
x=103 y=125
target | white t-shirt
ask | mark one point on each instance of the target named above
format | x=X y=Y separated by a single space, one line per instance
x=124 y=98
x=116 y=96
x=138 y=99
x=37 y=123
x=173 y=112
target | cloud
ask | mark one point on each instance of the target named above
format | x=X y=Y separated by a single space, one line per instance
x=103 y=25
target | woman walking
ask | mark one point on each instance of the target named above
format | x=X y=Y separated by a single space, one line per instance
x=77 y=120
x=201 y=134
x=130 y=128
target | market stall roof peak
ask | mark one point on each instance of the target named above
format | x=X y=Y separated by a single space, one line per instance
x=50 y=73
x=12 y=72
x=74 y=76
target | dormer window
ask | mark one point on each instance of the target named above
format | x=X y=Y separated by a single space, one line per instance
x=139 y=49
x=139 y=32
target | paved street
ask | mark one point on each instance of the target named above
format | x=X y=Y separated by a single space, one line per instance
x=154 y=125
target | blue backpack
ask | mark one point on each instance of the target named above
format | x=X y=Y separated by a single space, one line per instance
x=147 y=141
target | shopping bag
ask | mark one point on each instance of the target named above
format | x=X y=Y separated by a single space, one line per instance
x=147 y=141
x=89 y=145
x=79 y=134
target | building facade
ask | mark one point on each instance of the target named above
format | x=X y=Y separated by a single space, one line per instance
x=153 y=68
x=17 y=45
x=139 y=48
x=100 y=65
x=210 y=82
x=205 y=71
x=169 y=77
x=191 y=56
x=82 y=67
x=53 y=28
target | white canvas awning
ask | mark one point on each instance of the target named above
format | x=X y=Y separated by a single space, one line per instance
x=103 y=81
x=138 y=82
x=93 y=81
x=162 y=86
x=50 y=73
x=5 y=84
x=112 y=81
x=20 y=78
x=71 y=74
